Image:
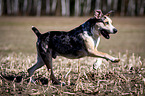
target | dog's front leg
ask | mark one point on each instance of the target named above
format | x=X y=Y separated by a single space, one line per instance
x=95 y=53
x=92 y=49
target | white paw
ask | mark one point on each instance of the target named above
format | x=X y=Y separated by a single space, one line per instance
x=97 y=64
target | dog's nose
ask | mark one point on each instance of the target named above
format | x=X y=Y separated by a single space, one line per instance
x=114 y=30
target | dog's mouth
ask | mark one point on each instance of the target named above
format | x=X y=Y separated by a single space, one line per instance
x=105 y=33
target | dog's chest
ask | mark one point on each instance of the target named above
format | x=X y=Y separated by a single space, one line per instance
x=91 y=42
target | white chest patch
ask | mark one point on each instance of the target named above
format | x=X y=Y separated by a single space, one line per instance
x=91 y=42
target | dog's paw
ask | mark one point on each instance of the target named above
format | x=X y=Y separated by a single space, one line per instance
x=97 y=64
x=115 y=60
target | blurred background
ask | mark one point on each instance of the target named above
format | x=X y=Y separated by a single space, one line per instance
x=17 y=17
x=70 y=7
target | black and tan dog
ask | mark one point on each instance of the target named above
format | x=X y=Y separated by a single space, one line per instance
x=79 y=42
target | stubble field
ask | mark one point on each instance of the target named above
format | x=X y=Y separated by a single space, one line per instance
x=18 y=53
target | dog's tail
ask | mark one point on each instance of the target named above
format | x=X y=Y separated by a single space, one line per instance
x=36 y=31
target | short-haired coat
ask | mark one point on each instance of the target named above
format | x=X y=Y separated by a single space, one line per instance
x=79 y=42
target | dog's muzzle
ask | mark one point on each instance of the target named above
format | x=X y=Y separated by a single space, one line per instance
x=105 y=33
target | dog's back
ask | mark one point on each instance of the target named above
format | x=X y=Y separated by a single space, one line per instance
x=70 y=46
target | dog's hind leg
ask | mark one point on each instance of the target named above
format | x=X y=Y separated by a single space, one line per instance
x=38 y=65
x=46 y=56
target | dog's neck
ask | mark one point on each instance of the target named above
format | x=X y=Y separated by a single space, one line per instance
x=91 y=31
x=89 y=25
x=95 y=32
x=96 y=35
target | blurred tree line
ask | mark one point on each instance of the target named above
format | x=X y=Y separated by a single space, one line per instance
x=70 y=7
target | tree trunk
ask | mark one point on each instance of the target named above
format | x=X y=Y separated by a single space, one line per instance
x=54 y=2
x=138 y=6
x=131 y=8
x=109 y=5
x=63 y=8
x=141 y=12
x=38 y=13
x=34 y=7
x=77 y=7
x=67 y=7
x=25 y=4
x=115 y=5
x=9 y=11
x=87 y=7
x=15 y=7
x=98 y=5
x=47 y=7
x=122 y=8
x=1 y=10
x=29 y=6
x=104 y=5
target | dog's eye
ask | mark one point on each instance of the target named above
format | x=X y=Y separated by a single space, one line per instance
x=106 y=22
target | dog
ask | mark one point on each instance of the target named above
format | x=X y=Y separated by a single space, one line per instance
x=79 y=42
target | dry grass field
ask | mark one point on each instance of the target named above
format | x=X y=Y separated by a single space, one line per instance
x=18 y=53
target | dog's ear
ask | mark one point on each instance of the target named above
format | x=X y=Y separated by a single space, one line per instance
x=98 y=14
x=108 y=14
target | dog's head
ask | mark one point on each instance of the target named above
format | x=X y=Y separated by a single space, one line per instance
x=105 y=27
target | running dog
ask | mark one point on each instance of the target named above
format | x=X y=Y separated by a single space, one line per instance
x=79 y=42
